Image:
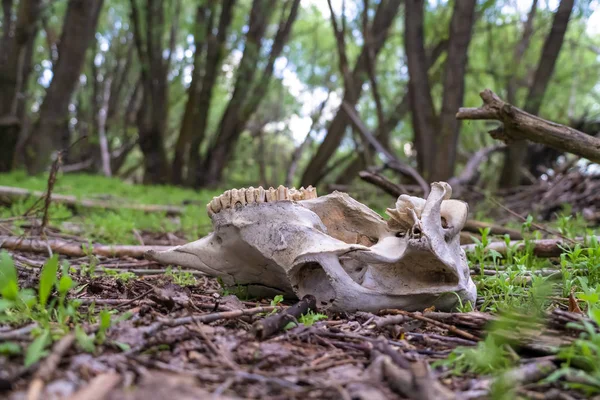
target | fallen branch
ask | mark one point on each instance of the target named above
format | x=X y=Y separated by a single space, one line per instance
x=382 y=182
x=522 y=125
x=9 y=195
x=272 y=324
x=74 y=249
x=410 y=379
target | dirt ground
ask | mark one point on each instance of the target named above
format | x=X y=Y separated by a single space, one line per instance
x=197 y=342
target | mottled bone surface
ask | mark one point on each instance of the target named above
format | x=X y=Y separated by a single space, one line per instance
x=335 y=248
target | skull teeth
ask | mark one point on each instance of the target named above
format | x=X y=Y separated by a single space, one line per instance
x=240 y=197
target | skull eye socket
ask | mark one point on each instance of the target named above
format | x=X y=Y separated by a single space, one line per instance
x=444 y=223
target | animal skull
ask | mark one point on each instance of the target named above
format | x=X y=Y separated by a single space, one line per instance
x=335 y=248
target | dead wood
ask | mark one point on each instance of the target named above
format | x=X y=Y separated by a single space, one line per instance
x=272 y=324
x=420 y=317
x=411 y=379
x=470 y=173
x=522 y=125
x=9 y=195
x=74 y=249
x=382 y=182
x=207 y=318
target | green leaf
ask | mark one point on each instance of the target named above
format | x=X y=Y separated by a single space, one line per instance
x=85 y=342
x=10 y=349
x=104 y=320
x=65 y=284
x=9 y=286
x=47 y=279
x=122 y=346
x=10 y=291
x=36 y=349
x=6 y=304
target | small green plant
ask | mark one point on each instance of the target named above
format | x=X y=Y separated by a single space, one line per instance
x=276 y=300
x=181 y=278
x=490 y=356
x=307 y=319
x=584 y=354
x=53 y=315
x=121 y=276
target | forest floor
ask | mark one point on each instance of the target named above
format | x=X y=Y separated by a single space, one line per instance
x=85 y=326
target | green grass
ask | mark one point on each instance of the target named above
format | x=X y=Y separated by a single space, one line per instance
x=115 y=226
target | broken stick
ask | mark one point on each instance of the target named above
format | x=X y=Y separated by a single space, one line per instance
x=272 y=324
x=74 y=249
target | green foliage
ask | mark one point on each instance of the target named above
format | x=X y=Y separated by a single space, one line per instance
x=307 y=319
x=583 y=353
x=116 y=226
x=490 y=356
x=182 y=278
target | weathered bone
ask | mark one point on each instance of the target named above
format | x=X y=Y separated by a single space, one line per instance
x=335 y=248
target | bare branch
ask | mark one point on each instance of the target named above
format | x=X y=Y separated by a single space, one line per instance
x=522 y=125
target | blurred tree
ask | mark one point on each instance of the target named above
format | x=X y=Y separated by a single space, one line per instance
x=16 y=52
x=517 y=152
x=151 y=43
x=353 y=84
x=50 y=131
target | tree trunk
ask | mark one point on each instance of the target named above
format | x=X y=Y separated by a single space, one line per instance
x=444 y=161
x=517 y=152
x=384 y=17
x=392 y=121
x=153 y=116
x=204 y=26
x=15 y=65
x=49 y=133
x=215 y=48
x=247 y=96
x=424 y=120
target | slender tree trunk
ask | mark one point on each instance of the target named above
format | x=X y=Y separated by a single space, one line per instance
x=444 y=161
x=16 y=51
x=517 y=152
x=520 y=50
x=424 y=119
x=389 y=124
x=215 y=49
x=247 y=96
x=153 y=116
x=49 y=133
x=384 y=17
x=204 y=26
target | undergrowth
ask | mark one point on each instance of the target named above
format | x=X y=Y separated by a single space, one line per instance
x=520 y=290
